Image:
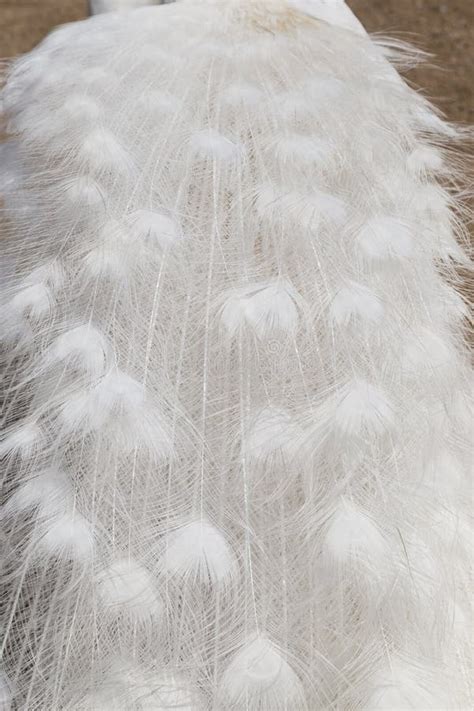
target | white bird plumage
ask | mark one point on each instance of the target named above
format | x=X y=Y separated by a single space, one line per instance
x=236 y=424
x=353 y=535
x=355 y=302
x=260 y=677
x=126 y=587
x=383 y=238
x=362 y=407
x=47 y=493
x=67 y=535
x=267 y=308
x=197 y=551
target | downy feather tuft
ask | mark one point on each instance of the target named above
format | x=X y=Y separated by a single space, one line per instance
x=82 y=346
x=236 y=415
x=267 y=309
x=272 y=433
x=48 y=493
x=362 y=408
x=385 y=238
x=260 y=678
x=355 y=302
x=353 y=536
x=67 y=536
x=22 y=440
x=211 y=144
x=199 y=553
x=126 y=587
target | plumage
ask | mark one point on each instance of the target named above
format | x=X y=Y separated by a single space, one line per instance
x=153 y=227
x=84 y=192
x=118 y=406
x=385 y=238
x=82 y=346
x=209 y=143
x=355 y=302
x=425 y=159
x=47 y=493
x=267 y=308
x=399 y=688
x=66 y=536
x=353 y=535
x=100 y=151
x=272 y=433
x=34 y=301
x=304 y=209
x=5 y=692
x=427 y=351
x=126 y=587
x=260 y=677
x=199 y=553
x=236 y=420
x=23 y=439
x=361 y=408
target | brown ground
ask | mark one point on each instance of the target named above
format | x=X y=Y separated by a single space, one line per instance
x=445 y=28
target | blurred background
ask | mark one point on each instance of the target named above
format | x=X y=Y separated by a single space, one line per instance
x=445 y=28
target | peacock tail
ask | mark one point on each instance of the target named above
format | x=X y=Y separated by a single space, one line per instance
x=236 y=419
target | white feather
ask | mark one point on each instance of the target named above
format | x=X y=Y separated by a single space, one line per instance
x=198 y=552
x=242 y=94
x=431 y=202
x=115 y=254
x=23 y=440
x=48 y=493
x=84 y=191
x=209 y=143
x=247 y=283
x=317 y=93
x=160 y=103
x=427 y=351
x=129 y=686
x=270 y=433
x=6 y=696
x=80 y=109
x=34 y=301
x=165 y=693
x=267 y=308
x=355 y=302
x=383 y=238
x=305 y=209
x=294 y=149
x=323 y=88
x=430 y=122
x=354 y=536
x=68 y=536
x=97 y=80
x=115 y=393
x=82 y=346
x=102 y=700
x=424 y=159
x=105 y=262
x=444 y=474
x=154 y=228
x=260 y=678
x=399 y=687
x=118 y=407
x=362 y=407
x=126 y=587
x=50 y=274
x=101 y=151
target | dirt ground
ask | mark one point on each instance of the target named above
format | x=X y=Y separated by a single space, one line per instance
x=445 y=28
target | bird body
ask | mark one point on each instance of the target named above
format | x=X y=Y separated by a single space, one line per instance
x=236 y=422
